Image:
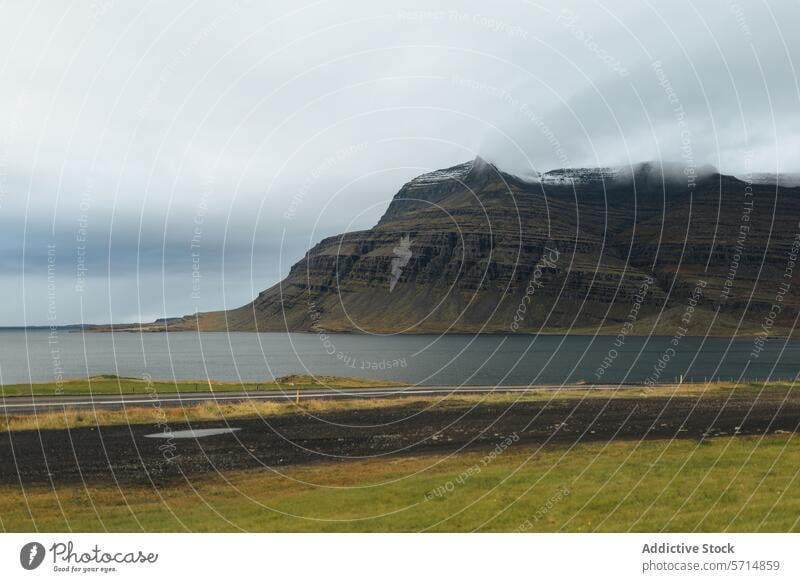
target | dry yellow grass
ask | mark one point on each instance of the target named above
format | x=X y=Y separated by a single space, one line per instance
x=199 y=412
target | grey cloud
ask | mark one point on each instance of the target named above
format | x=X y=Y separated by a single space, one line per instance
x=293 y=121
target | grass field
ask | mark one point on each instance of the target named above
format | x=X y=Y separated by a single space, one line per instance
x=723 y=484
x=120 y=385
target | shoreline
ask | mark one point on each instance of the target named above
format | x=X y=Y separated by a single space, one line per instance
x=558 y=333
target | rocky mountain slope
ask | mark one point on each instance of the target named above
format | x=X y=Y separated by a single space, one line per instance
x=471 y=248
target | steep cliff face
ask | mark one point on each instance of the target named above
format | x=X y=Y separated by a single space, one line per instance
x=471 y=248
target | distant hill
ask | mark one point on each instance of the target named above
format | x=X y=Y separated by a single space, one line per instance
x=471 y=248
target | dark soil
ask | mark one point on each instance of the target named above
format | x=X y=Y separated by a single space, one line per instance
x=124 y=455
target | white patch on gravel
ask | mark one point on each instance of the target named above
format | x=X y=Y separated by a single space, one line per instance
x=191 y=433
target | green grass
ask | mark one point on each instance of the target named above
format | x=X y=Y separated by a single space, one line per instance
x=722 y=484
x=111 y=384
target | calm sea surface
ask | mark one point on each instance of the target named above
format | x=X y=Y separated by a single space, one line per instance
x=425 y=359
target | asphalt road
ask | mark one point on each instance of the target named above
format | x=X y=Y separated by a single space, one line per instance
x=27 y=404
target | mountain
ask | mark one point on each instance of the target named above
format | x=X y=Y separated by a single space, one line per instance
x=638 y=250
x=786 y=179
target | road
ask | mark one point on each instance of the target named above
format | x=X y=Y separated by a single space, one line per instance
x=27 y=404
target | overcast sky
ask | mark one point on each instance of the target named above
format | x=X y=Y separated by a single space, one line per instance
x=127 y=128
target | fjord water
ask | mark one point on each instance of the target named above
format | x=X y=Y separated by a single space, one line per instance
x=38 y=356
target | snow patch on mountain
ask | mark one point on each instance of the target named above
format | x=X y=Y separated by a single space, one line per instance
x=567 y=176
